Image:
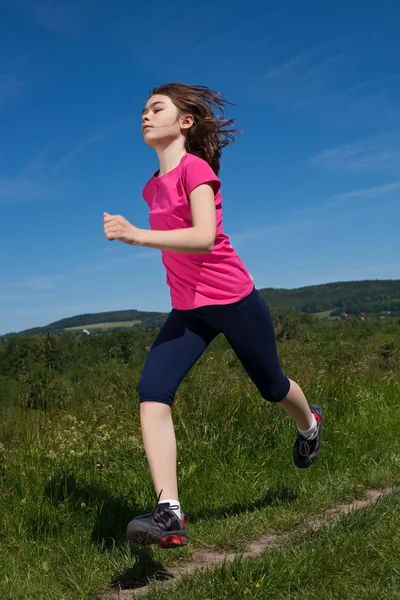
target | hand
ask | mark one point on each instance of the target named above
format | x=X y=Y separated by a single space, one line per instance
x=118 y=228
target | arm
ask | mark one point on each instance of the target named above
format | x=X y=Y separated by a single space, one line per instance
x=199 y=238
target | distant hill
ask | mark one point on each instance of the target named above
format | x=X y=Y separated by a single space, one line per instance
x=370 y=297
x=352 y=297
x=142 y=319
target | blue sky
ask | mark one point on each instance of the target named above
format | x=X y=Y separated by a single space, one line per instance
x=311 y=189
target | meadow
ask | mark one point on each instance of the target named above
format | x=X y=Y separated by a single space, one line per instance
x=106 y=326
x=73 y=470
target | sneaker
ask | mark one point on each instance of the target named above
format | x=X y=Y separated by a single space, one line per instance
x=305 y=452
x=161 y=527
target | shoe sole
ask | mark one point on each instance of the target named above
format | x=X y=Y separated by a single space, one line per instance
x=149 y=538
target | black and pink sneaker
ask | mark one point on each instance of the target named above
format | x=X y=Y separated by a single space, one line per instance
x=305 y=452
x=161 y=527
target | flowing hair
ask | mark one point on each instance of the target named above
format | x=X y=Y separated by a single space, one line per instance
x=210 y=131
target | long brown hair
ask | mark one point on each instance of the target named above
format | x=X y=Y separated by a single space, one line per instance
x=210 y=131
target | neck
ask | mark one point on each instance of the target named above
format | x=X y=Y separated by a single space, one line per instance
x=170 y=156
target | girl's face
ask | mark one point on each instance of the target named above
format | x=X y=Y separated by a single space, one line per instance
x=161 y=121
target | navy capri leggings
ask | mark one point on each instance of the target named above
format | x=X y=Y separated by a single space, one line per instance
x=248 y=327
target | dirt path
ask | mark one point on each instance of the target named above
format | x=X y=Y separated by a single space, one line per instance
x=203 y=559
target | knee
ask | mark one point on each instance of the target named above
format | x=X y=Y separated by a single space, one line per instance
x=275 y=391
x=153 y=411
x=154 y=391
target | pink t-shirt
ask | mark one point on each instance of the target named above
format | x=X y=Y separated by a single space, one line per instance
x=195 y=279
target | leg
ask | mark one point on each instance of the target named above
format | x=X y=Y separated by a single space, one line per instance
x=160 y=446
x=297 y=407
x=249 y=329
x=177 y=347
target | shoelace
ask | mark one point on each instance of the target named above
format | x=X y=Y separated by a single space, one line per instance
x=159 y=507
x=306 y=445
x=171 y=506
x=304 y=448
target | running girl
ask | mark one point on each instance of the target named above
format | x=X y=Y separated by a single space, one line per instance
x=211 y=293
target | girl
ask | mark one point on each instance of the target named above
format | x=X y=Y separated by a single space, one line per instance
x=211 y=293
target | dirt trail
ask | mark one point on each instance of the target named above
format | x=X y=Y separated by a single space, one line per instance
x=203 y=558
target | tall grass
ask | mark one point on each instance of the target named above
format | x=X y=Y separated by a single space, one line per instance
x=73 y=475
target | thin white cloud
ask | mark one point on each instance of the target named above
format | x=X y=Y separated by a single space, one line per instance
x=308 y=76
x=330 y=82
x=119 y=261
x=355 y=88
x=372 y=192
x=273 y=231
x=39 y=179
x=88 y=141
x=313 y=215
x=328 y=204
x=68 y=158
x=374 y=154
x=30 y=183
x=23 y=297
x=40 y=282
x=17 y=74
x=22 y=189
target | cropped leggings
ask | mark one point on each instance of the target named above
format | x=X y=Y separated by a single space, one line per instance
x=247 y=326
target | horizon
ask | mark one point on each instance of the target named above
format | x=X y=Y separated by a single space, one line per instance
x=310 y=191
x=165 y=312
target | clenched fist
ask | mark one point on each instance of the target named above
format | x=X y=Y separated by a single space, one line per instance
x=118 y=228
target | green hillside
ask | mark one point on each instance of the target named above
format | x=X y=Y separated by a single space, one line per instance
x=353 y=297
x=116 y=320
x=370 y=297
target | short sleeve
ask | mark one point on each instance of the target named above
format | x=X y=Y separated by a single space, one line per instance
x=197 y=172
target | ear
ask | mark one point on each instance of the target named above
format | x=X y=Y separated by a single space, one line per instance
x=186 y=121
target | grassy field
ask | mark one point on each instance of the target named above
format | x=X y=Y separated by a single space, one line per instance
x=72 y=477
x=355 y=558
x=106 y=326
x=326 y=314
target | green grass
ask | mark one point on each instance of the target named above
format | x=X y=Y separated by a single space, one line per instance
x=96 y=326
x=357 y=558
x=72 y=477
